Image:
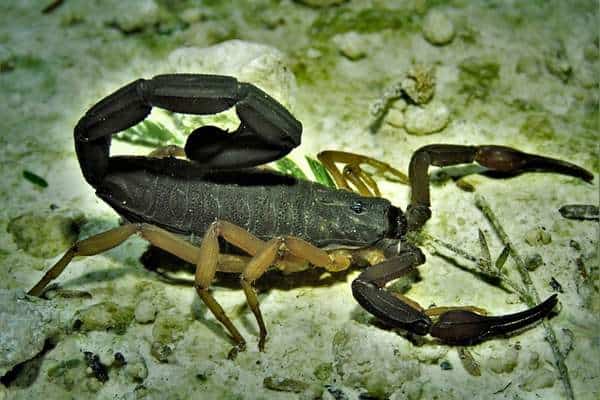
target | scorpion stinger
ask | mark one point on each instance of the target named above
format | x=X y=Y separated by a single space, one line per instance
x=266 y=133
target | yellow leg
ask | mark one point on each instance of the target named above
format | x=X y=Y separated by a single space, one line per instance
x=354 y=174
x=276 y=249
x=168 y=151
x=206 y=259
x=107 y=240
x=437 y=311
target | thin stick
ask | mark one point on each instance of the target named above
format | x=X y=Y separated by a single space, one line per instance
x=533 y=297
x=514 y=287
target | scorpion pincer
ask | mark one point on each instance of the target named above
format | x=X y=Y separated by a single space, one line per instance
x=214 y=190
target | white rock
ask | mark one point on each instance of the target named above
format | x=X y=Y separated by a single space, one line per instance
x=137 y=370
x=438 y=29
x=504 y=362
x=538 y=379
x=352 y=45
x=425 y=120
x=538 y=236
x=395 y=118
x=419 y=83
x=25 y=323
x=130 y=17
x=259 y=64
x=145 y=311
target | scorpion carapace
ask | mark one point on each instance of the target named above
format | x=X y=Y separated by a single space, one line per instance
x=217 y=193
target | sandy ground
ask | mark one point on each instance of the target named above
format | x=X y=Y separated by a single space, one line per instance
x=523 y=74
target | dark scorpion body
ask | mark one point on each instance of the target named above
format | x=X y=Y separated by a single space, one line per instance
x=218 y=193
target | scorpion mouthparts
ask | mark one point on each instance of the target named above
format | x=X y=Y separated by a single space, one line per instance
x=397 y=224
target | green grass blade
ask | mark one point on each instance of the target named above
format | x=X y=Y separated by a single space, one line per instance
x=35 y=179
x=320 y=173
x=149 y=133
x=287 y=166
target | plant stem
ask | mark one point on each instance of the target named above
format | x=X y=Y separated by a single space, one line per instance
x=532 y=297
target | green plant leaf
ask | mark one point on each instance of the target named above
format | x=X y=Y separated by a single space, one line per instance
x=35 y=179
x=287 y=166
x=149 y=133
x=320 y=173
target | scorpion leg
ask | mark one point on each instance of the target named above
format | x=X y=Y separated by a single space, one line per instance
x=206 y=267
x=454 y=325
x=354 y=174
x=263 y=256
x=168 y=151
x=205 y=258
x=500 y=159
x=107 y=240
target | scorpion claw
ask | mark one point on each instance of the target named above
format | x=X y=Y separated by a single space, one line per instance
x=466 y=327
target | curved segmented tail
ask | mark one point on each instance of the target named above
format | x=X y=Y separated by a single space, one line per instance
x=267 y=130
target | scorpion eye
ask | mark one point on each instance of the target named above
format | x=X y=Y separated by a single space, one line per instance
x=358 y=207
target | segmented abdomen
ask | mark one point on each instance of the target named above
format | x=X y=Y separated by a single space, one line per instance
x=181 y=198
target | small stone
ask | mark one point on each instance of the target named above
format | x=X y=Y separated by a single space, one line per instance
x=103 y=316
x=538 y=237
x=446 y=365
x=395 y=118
x=284 y=384
x=161 y=352
x=119 y=360
x=139 y=17
x=323 y=371
x=505 y=362
x=137 y=371
x=558 y=63
x=351 y=45
x=191 y=15
x=438 y=29
x=426 y=120
x=533 y=261
x=431 y=354
x=538 y=379
x=145 y=311
x=45 y=234
x=419 y=84
x=26 y=323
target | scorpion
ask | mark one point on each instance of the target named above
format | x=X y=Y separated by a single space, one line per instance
x=215 y=188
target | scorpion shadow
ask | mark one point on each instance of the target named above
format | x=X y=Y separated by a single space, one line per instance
x=173 y=271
